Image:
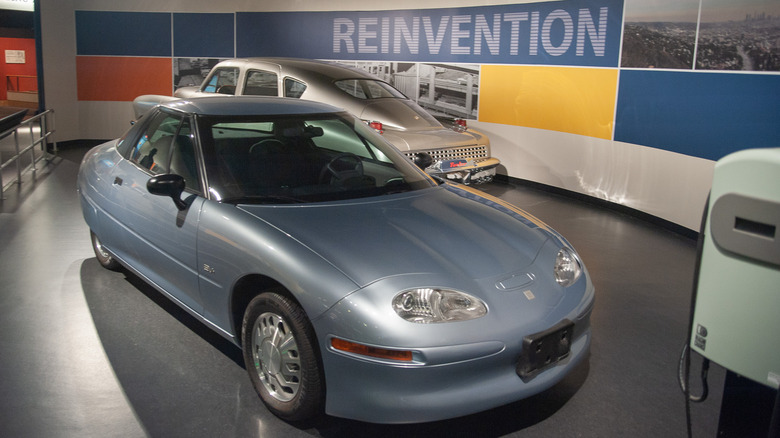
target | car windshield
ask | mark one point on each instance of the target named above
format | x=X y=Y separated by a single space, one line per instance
x=368 y=89
x=298 y=159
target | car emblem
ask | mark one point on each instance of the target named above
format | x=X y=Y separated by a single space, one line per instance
x=208 y=269
x=528 y=294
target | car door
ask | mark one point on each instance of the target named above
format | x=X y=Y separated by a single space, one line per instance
x=163 y=237
x=106 y=208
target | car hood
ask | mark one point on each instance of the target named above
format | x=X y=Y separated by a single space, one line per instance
x=445 y=231
x=398 y=114
x=432 y=139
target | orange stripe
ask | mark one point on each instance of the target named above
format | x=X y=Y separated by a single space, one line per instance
x=122 y=78
x=531 y=218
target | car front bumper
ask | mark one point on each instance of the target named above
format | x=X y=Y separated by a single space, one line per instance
x=474 y=171
x=442 y=382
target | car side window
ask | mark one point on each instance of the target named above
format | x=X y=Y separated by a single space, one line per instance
x=152 y=150
x=222 y=80
x=261 y=83
x=293 y=88
x=167 y=146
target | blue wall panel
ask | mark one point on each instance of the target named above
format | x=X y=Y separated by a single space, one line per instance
x=123 y=33
x=203 y=35
x=702 y=114
x=567 y=32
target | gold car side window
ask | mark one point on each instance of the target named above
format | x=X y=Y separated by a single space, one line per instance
x=293 y=88
x=261 y=83
x=222 y=81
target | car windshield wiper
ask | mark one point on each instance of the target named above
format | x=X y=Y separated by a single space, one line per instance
x=392 y=189
x=438 y=179
x=263 y=199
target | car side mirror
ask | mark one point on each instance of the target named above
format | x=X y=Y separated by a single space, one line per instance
x=168 y=185
x=423 y=160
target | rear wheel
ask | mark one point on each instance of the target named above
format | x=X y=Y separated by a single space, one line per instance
x=281 y=356
x=105 y=259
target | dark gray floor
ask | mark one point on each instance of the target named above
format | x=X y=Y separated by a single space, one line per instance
x=91 y=353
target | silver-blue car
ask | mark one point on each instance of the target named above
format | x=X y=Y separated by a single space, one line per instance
x=356 y=284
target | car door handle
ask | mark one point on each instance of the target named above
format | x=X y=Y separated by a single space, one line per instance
x=118 y=181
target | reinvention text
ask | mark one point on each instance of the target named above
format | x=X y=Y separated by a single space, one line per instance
x=581 y=32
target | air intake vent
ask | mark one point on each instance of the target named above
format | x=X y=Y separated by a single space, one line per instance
x=466 y=152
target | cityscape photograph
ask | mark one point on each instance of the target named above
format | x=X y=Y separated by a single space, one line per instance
x=732 y=35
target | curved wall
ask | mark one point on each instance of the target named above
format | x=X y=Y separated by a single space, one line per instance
x=553 y=96
x=671 y=186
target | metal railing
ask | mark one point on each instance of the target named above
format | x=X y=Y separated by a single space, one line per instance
x=44 y=123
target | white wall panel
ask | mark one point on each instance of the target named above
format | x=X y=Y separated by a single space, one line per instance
x=114 y=117
x=670 y=186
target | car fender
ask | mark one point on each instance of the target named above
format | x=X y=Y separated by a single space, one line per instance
x=234 y=244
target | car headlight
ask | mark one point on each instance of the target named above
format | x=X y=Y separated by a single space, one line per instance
x=427 y=305
x=567 y=267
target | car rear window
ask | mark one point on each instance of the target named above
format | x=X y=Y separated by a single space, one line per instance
x=368 y=89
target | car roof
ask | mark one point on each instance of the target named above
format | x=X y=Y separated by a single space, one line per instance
x=303 y=67
x=249 y=105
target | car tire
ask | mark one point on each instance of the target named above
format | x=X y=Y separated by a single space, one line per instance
x=282 y=357
x=105 y=259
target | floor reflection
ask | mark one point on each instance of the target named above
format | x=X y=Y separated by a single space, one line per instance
x=181 y=378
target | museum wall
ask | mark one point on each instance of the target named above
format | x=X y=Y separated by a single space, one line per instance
x=19 y=66
x=547 y=81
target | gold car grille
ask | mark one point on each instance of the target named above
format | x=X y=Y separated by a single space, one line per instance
x=466 y=152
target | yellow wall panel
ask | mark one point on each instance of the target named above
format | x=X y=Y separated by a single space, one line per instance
x=574 y=100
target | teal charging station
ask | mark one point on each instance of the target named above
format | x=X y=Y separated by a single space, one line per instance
x=736 y=312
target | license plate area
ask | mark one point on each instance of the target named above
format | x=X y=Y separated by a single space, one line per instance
x=544 y=349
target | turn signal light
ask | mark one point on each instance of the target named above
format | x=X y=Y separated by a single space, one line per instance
x=367 y=350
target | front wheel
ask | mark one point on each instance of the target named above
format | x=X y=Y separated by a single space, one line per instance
x=281 y=356
x=105 y=259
